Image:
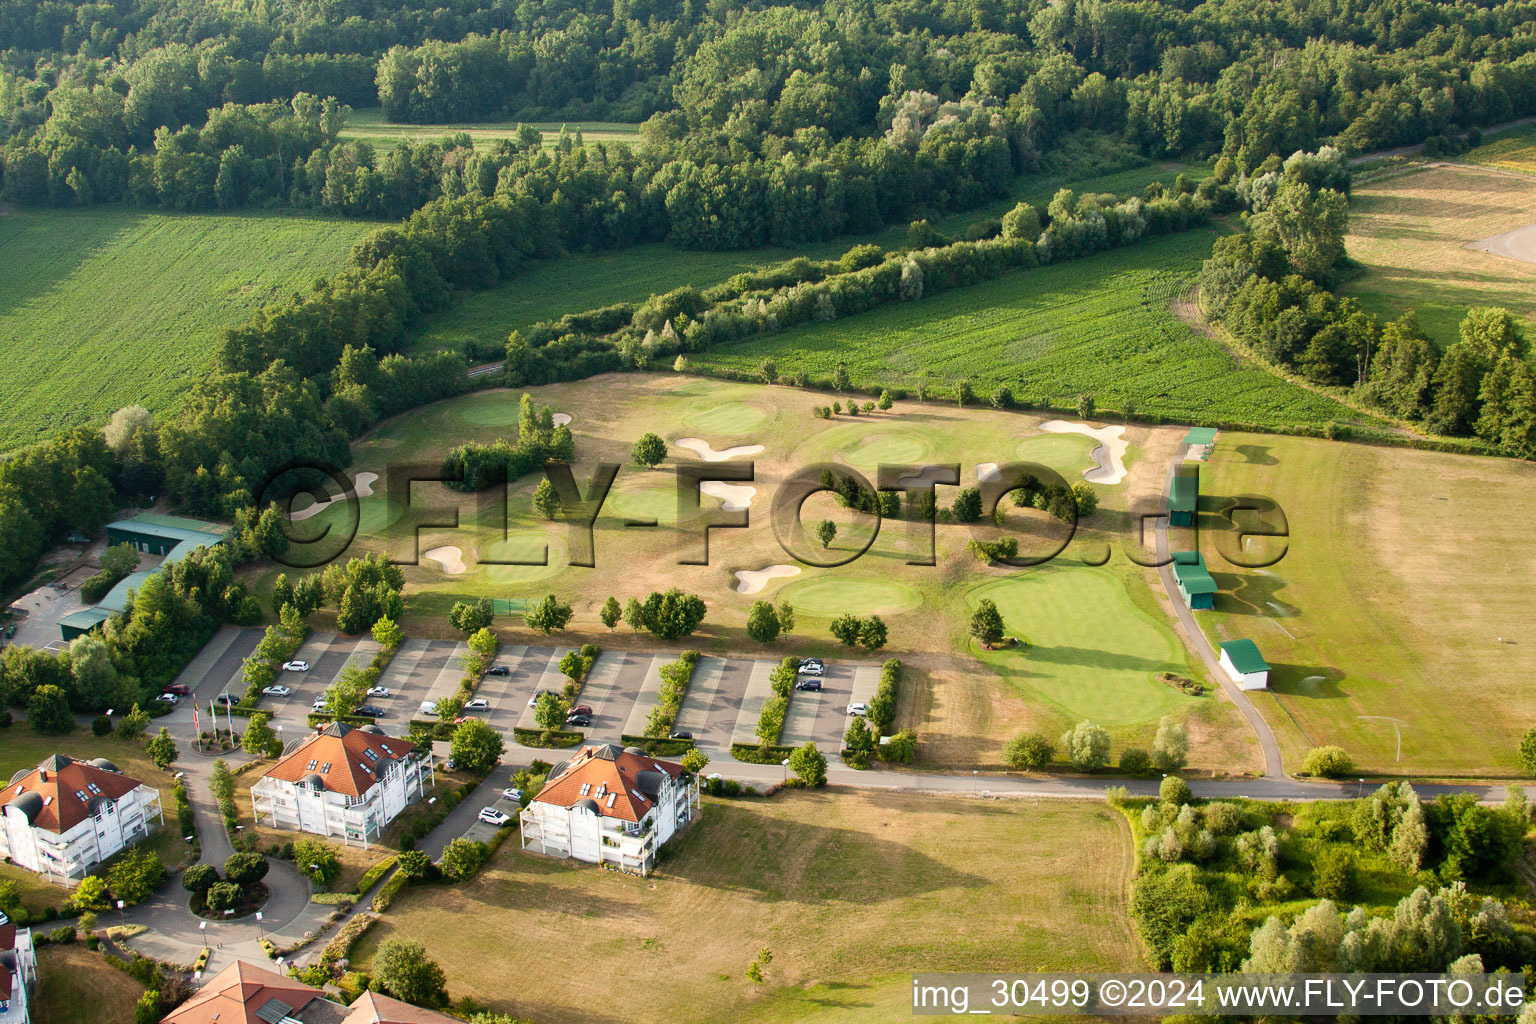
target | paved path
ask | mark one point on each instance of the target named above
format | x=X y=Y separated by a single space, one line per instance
x=1195 y=637
x=1416 y=147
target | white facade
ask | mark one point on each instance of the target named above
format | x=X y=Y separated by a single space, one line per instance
x=307 y=806
x=18 y=966
x=109 y=827
x=583 y=831
x=1245 y=680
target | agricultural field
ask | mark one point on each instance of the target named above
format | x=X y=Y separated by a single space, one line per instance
x=851 y=891
x=1412 y=232
x=108 y=307
x=1438 y=643
x=1099 y=325
x=1084 y=663
x=75 y=984
x=1513 y=150
x=481 y=321
x=369 y=125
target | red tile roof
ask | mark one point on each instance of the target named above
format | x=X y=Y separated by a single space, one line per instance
x=606 y=771
x=373 y=1008
x=56 y=783
x=237 y=992
x=341 y=759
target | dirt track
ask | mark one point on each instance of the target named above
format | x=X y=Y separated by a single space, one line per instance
x=1519 y=244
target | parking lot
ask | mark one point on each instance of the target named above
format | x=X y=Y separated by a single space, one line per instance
x=722 y=706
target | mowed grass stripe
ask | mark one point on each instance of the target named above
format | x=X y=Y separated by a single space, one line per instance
x=109 y=307
x=1099 y=325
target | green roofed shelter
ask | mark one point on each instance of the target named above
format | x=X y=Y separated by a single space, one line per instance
x=1241 y=660
x=1200 y=435
x=1183 y=498
x=1196 y=584
x=172 y=536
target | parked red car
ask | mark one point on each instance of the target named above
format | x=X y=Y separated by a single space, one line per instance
x=580 y=709
x=179 y=689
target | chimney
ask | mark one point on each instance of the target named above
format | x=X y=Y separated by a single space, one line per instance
x=42 y=774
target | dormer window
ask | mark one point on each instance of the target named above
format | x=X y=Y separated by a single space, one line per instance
x=80 y=795
x=95 y=790
x=371 y=754
x=313 y=762
x=325 y=769
x=586 y=788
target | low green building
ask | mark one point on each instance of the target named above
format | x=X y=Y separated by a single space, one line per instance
x=1184 y=498
x=153 y=534
x=1196 y=584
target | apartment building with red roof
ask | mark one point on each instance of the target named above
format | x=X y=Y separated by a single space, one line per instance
x=610 y=806
x=64 y=816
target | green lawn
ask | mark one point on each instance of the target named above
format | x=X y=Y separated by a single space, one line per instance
x=1100 y=325
x=1092 y=653
x=107 y=307
x=369 y=124
x=851 y=892
x=1400 y=607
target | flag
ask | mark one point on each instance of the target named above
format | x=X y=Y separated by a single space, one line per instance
x=195 y=727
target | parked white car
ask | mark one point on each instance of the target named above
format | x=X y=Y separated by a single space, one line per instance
x=429 y=707
x=858 y=709
x=513 y=793
x=378 y=691
x=166 y=698
x=278 y=690
x=477 y=704
x=319 y=704
x=491 y=816
x=295 y=666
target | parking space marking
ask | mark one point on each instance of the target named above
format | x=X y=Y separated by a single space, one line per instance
x=866 y=680
x=603 y=691
x=447 y=682
x=551 y=679
x=832 y=717
x=800 y=721
x=398 y=672
x=645 y=697
x=759 y=689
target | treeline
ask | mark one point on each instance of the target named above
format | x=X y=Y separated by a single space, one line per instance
x=800 y=290
x=1270 y=286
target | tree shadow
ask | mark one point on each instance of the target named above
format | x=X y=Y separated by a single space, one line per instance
x=1257 y=454
x=1312 y=681
x=1064 y=655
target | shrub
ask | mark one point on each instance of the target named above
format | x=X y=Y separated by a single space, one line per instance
x=1135 y=761
x=1087 y=746
x=1029 y=751
x=901 y=749
x=1333 y=875
x=101 y=725
x=462 y=858
x=1327 y=762
x=1174 y=791
x=222 y=896
x=199 y=877
x=1223 y=819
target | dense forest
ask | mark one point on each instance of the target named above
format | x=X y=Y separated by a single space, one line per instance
x=761 y=123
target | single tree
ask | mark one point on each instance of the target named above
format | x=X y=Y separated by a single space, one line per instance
x=1170 y=747
x=198 y=877
x=161 y=749
x=388 y=634
x=967 y=506
x=476 y=747
x=470 y=616
x=648 y=451
x=809 y=765
x=1029 y=751
x=1086 y=746
x=1086 y=406
x=840 y=380
x=786 y=613
x=611 y=612
x=259 y=738
x=462 y=857
x=403 y=969
x=48 y=711
x=544 y=500
x=846 y=628
x=634 y=614
x=987 y=623
x=695 y=761
x=245 y=868
x=547 y=615
x=549 y=712
x=872 y=633
x=762 y=622
x=826 y=530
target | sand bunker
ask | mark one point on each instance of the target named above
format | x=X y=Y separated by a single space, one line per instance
x=706 y=452
x=1519 y=244
x=450 y=558
x=987 y=472
x=735 y=496
x=754 y=580
x=561 y=418
x=362 y=487
x=929 y=475
x=1110 y=453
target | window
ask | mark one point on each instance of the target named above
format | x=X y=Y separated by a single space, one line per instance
x=611 y=798
x=95 y=790
x=586 y=787
x=325 y=769
x=371 y=754
x=80 y=795
x=312 y=763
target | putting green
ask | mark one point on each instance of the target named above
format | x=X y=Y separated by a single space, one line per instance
x=374 y=515
x=889 y=447
x=497 y=409
x=729 y=418
x=651 y=501
x=831 y=595
x=1067 y=454
x=1093 y=654
x=527 y=546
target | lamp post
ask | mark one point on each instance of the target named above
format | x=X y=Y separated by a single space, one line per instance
x=120 y=918
x=259 y=934
x=785 y=763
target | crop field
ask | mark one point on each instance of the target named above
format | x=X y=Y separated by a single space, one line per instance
x=1411 y=232
x=1514 y=150
x=1438 y=643
x=964 y=715
x=109 y=307
x=851 y=891
x=369 y=125
x=1099 y=325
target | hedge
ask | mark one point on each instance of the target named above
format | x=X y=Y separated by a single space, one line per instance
x=755 y=754
x=882 y=707
x=550 y=738
x=371 y=876
x=675 y=677
x=389 y=890
x=320 y=718
x=339 y=947
x=658 y=747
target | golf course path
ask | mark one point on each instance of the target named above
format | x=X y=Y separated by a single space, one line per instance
x=1196 y=638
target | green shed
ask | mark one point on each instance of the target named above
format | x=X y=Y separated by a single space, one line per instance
x=1196 y=585
x=1183 y=499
